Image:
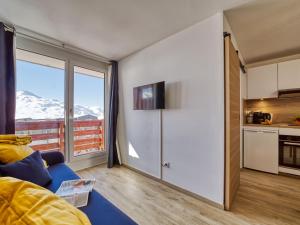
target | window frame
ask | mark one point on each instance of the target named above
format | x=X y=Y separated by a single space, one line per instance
x=72 y=59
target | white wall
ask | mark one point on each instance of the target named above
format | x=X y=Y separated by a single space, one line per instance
x=191 y=63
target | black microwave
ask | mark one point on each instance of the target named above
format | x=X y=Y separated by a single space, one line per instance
x=259 y=117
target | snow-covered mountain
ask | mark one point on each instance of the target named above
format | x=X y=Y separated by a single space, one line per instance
x=31 y=106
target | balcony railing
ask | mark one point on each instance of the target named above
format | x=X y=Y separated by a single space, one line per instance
x=50 y=135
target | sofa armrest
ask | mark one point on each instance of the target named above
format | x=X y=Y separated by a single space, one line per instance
x=53 y=157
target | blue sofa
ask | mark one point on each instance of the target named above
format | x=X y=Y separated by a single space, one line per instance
x=99 y=210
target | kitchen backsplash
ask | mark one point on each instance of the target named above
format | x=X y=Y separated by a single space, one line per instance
x=282 y=110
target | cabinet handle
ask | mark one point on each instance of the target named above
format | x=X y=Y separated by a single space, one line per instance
x=268 y=131
x=253 y=131
x=262 y=131
x=291 y=143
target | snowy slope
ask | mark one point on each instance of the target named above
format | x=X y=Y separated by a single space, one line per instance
x=32 y=106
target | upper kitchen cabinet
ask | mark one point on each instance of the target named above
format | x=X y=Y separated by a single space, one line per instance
x=262 y=82
x=289 y=75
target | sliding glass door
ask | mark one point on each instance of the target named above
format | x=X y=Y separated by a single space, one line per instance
x=87 y=119
x=61 y=104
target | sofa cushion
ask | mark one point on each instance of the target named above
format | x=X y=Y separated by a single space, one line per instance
x=52 y=157
x=99 y=210
x=30 y=169
x=59 y=173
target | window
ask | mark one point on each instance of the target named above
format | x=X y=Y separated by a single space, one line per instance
x=40 y=100
x=61 y=104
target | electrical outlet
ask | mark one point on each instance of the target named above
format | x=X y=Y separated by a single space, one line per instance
x=166 y=164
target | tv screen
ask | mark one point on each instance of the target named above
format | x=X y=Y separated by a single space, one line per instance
x=149 y=97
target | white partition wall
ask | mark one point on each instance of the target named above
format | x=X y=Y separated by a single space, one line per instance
x=191 y=63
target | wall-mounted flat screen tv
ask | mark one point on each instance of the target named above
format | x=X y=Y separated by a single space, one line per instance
x=149 y=97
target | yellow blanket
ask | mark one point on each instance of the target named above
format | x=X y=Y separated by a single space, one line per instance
x=24 y=203
x=15 y=139
x=14 y=148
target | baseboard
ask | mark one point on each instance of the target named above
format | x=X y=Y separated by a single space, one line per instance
x=199 y=197
x=86 y=163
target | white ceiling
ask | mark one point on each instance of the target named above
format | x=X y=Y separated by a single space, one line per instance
x=110 y=28
x=266 y=29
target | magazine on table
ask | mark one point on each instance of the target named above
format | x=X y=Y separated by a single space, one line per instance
x=76 y=192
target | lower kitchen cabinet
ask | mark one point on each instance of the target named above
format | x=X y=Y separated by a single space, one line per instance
x=261 y=149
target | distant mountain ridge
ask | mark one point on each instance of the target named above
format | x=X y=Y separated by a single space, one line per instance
x=32 y=106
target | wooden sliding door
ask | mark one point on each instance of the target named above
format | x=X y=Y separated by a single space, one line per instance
x=232 y=122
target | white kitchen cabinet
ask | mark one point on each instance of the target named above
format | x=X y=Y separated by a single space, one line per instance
x=289 y=75
x=262 y=82
x=261 y=149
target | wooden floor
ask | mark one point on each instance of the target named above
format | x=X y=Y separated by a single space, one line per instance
x=262 y=199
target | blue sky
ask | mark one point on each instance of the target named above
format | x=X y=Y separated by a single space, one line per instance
x=48 y=82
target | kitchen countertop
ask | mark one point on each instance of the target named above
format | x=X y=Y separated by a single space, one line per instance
x=275 y=125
